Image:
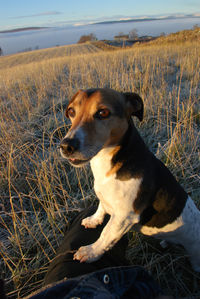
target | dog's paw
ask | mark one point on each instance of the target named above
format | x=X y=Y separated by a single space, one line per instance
x=91 y=222
x=86 y=254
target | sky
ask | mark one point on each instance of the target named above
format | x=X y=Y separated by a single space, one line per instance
x=28 y=13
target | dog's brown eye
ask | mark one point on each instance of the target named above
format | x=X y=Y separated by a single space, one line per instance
x=103 y=113
x=70 y=112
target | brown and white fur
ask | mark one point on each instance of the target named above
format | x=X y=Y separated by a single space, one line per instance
x=133 y=186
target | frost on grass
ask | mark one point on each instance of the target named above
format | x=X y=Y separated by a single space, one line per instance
x=40 y=192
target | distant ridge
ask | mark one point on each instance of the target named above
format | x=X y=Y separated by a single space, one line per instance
x=146 y=19
x=22 y=29
x=126 y=21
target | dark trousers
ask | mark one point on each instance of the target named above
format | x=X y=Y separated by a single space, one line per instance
x=109 y=277
x=76 y=236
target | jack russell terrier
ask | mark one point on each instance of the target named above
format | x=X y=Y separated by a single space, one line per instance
x=133 y=186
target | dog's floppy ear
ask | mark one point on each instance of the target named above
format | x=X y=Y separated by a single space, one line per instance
x=134 y=104
x=72 y=99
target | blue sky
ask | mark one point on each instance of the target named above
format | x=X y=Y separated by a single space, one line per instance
x=25 y=13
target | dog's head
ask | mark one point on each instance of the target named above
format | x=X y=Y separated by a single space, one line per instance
x=100 y=118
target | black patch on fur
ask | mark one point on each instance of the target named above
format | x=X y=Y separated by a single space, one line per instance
x=137 y=104
x=90 y=91
x=117 y=107
x=160 y=199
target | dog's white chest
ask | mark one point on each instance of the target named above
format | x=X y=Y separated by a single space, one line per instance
x=113 y=193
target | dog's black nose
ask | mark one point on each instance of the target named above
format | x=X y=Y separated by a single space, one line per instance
x=69 y=145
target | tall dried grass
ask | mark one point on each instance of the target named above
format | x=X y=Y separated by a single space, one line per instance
x=40 y=192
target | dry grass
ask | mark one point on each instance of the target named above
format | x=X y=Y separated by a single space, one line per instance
x=43 y=55
x=179 y=37
x=40 y=192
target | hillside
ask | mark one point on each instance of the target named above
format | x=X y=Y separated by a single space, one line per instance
x=46 y=54
x=179 y=37
x=40 y=192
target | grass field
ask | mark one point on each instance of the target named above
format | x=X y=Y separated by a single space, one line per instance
x=40 y=192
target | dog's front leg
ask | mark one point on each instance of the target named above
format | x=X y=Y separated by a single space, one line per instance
x=116 y=227
x=96 y=219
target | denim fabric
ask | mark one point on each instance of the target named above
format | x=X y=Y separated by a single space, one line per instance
x=117 y=282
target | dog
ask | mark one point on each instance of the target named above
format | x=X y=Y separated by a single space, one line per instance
x=135 y=188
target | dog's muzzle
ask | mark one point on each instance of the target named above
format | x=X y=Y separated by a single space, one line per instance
x=69 y=148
